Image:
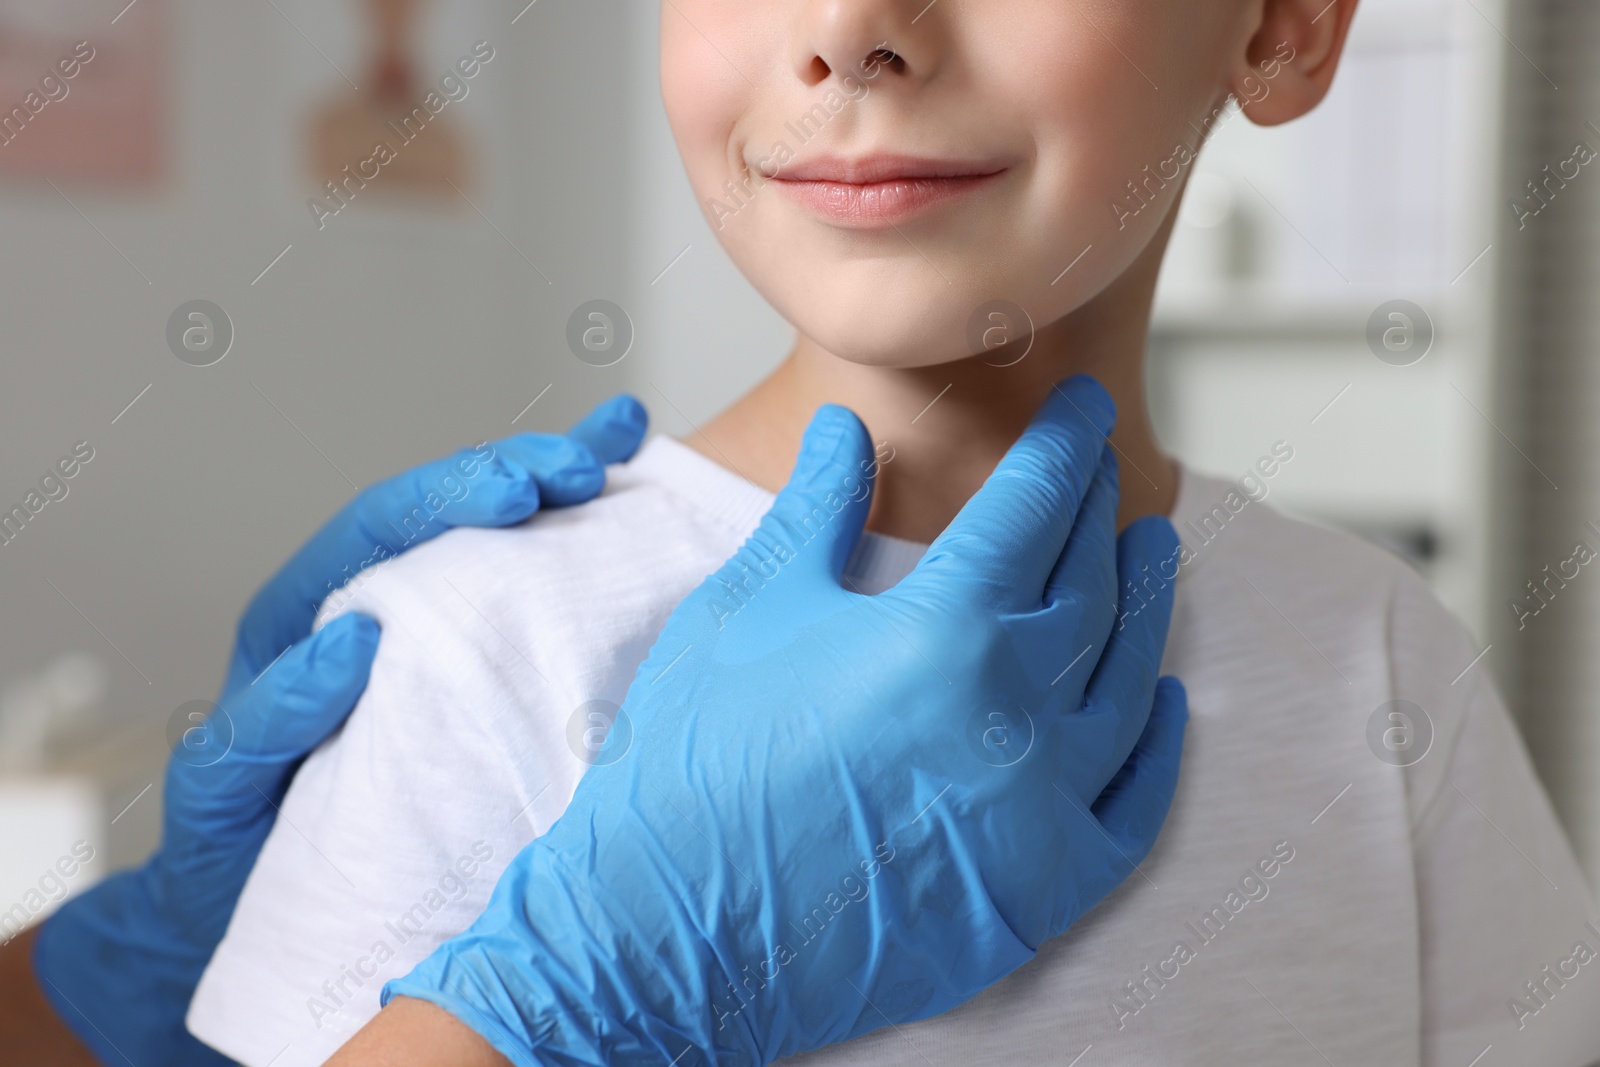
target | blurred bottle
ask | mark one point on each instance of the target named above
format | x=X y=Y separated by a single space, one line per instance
x=53 y=712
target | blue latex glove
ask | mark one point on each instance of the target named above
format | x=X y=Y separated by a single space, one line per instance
x=839 y=811
x=120 y=963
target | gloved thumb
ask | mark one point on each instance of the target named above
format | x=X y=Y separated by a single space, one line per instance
x=238 y=760
x=814 y=524
x=806 y=537
x=306 y=696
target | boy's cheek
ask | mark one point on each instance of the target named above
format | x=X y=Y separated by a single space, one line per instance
x=705 y=101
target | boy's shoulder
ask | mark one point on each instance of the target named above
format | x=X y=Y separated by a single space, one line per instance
x=1231 y=533
x=506 y=654
x=1270 y=604
x=665 y=512
x=512 y=628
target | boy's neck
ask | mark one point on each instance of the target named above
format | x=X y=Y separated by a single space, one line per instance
x=949 y=425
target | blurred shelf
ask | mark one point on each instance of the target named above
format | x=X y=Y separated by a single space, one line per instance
x=1262 y=315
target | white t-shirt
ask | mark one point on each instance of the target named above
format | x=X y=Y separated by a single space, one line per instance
x=1307 y=902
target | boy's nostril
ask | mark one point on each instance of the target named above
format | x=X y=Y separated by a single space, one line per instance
x=818 y=70
x=887 y=58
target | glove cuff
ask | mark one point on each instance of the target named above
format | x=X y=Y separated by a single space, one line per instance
x=557 y=973
x=120 y=977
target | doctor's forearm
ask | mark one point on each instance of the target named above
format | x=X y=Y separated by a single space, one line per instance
x=29 y=1026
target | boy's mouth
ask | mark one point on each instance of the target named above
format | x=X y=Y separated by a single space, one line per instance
x=879 y=191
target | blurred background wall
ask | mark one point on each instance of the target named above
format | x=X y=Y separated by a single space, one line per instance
x=406 y=326
x=1549 y=341
x=430 y=311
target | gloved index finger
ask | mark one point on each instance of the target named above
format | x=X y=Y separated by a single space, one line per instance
x=1010 y=534
x=570 y=468
x=382 y=521
x=613 y=430
x=491 y=485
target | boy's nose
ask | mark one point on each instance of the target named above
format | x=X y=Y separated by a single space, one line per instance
x=864 y=39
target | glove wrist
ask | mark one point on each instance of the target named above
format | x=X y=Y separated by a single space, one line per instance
x=571 y=974
x=120 y=975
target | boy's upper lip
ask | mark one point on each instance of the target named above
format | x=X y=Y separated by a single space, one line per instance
x=882 y=167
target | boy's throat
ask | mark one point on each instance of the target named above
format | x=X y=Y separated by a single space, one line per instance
x=938 y=431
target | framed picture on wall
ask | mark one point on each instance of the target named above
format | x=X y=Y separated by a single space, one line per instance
x=83 y=93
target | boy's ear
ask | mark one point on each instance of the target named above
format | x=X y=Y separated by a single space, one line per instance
x=1288 y=63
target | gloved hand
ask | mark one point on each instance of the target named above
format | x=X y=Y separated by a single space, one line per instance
x=120 y=963
x=839 y=811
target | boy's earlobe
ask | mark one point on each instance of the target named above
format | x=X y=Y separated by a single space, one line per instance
x=1289 y=61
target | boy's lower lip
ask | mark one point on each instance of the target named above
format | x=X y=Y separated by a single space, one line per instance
x=879 y=204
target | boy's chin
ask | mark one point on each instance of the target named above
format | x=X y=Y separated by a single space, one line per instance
x=901 y=359
x=927 y=337
x=889 y=349
x=892 y=314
